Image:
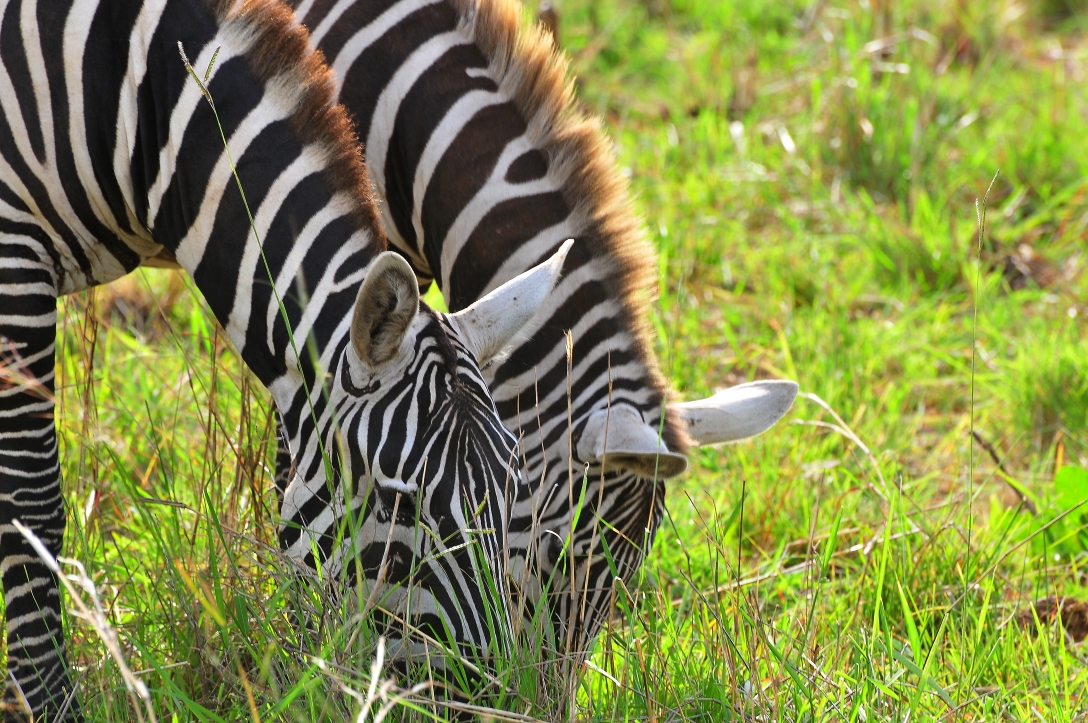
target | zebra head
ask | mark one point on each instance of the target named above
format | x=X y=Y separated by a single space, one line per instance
x=425 y=461
x=623 y=450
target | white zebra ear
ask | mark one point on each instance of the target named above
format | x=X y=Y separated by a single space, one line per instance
x=489 y=325
x=632 y=444
x=738 y=412
x=386 y=306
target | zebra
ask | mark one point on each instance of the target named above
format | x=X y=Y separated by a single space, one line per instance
x=109 y=156
x=484 y=163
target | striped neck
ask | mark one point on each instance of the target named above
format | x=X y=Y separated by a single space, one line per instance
x=282 y=283
x=485 y=163
x=147 y=171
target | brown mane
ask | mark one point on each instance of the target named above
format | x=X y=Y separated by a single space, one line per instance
x=538 y=81
x=280 y=50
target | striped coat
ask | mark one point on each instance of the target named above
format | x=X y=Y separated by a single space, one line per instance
x=109 y=156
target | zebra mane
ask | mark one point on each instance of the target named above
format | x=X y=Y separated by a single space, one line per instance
x=536 y=77
x=280 y=54
x=445 y=345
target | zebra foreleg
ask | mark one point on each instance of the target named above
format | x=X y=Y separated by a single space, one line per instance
x=285 y=463
x=30 y=484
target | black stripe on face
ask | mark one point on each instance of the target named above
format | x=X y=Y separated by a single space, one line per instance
x=396 y=442
x=424 y=452
x=306 y=515
x=370 y=73
x=425 y=105
x=596 y=374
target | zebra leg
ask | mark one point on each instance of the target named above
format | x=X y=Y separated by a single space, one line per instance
x=30 y=483
x=285 y=463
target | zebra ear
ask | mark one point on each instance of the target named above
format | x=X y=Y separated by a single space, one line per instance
x=738 y=412
x=621 y=440
x=490 y=324
x=386 y=306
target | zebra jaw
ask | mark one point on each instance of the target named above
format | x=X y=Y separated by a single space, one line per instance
x=490 y=324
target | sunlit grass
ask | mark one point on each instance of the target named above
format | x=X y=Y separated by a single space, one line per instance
x=811 y=189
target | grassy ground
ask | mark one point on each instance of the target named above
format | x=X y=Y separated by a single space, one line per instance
x=809 y=173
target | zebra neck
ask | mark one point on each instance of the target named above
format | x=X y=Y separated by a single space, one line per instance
x=486 y=163
x=126 y=158
x=278 y=231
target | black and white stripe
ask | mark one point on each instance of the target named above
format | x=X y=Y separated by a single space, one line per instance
x=478 y=186
x=109 y=155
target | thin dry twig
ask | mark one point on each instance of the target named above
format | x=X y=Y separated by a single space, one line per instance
x=843 y=428
x=383 y=568
x=1027 y=503
x=15 y=373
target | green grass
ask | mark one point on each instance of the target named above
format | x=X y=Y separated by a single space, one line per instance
x=812 y=198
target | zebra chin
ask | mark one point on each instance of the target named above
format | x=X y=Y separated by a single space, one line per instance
x=440 y=611
x=420 y=632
